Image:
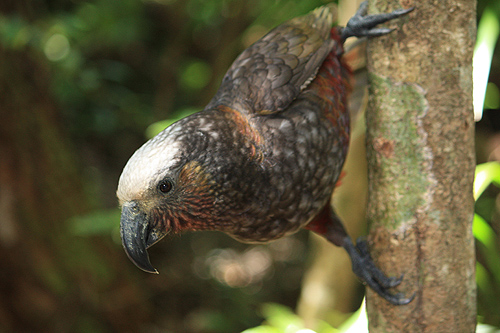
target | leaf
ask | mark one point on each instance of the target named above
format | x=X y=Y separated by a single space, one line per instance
x=487 y=36
x=262 y=329
x=281 y=317
x=358 y=322
x=486 y=174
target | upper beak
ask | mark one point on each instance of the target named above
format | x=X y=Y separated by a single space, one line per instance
x=138 y=235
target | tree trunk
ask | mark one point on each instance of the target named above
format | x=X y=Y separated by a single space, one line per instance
x=420 y=147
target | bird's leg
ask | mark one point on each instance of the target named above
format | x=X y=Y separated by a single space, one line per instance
x=361 y=25
x=328 y=225
x=362 y=248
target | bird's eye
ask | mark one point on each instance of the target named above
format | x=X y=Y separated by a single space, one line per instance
x=165 y=186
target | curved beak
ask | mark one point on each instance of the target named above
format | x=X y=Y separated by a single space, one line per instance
x=137 y=235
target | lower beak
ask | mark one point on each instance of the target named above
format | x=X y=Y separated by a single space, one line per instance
x=137 y=235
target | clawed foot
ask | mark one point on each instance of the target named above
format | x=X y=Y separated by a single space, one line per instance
x=361 y=25
x=365 y=269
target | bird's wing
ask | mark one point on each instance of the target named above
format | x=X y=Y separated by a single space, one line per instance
x=270 y=74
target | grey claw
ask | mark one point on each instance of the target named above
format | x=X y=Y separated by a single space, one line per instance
x=362 y=25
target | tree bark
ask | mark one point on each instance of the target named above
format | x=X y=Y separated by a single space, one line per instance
x=420 y=147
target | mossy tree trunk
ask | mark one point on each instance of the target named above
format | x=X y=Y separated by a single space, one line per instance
x=420 y=145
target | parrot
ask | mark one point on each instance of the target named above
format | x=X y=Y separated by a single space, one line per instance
x=262 y=159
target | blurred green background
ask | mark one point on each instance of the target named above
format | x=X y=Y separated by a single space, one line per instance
x=82 y=85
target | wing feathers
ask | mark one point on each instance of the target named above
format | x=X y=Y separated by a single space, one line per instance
x=270 y=74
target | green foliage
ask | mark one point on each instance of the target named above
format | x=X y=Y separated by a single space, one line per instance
x=357 y=322
x=195 y=75
x=281 y=319
x=492 y=98
x=486 y=174
x=487 y=242
x=487 y=36
x=99 y=222
x=484 y=328
x=15 y=32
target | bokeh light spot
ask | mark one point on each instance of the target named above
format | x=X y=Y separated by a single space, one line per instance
x=57 y=47
x=196 y=75
x=492 y=98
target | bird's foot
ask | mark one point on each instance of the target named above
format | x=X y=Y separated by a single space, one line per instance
x=361 y=25
x=364 y=267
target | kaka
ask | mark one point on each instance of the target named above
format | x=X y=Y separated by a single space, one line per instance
x=262 y=159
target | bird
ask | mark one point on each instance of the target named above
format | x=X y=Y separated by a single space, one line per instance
x=262 y=159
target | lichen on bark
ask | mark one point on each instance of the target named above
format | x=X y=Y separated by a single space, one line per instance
x=420 y=147
x=400 y=156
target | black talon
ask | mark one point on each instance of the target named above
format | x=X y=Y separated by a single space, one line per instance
x=384 y=281
x=362 y=25
x=364 y=267
x=399 y=299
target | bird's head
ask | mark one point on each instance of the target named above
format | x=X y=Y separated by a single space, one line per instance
x=163 y=188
